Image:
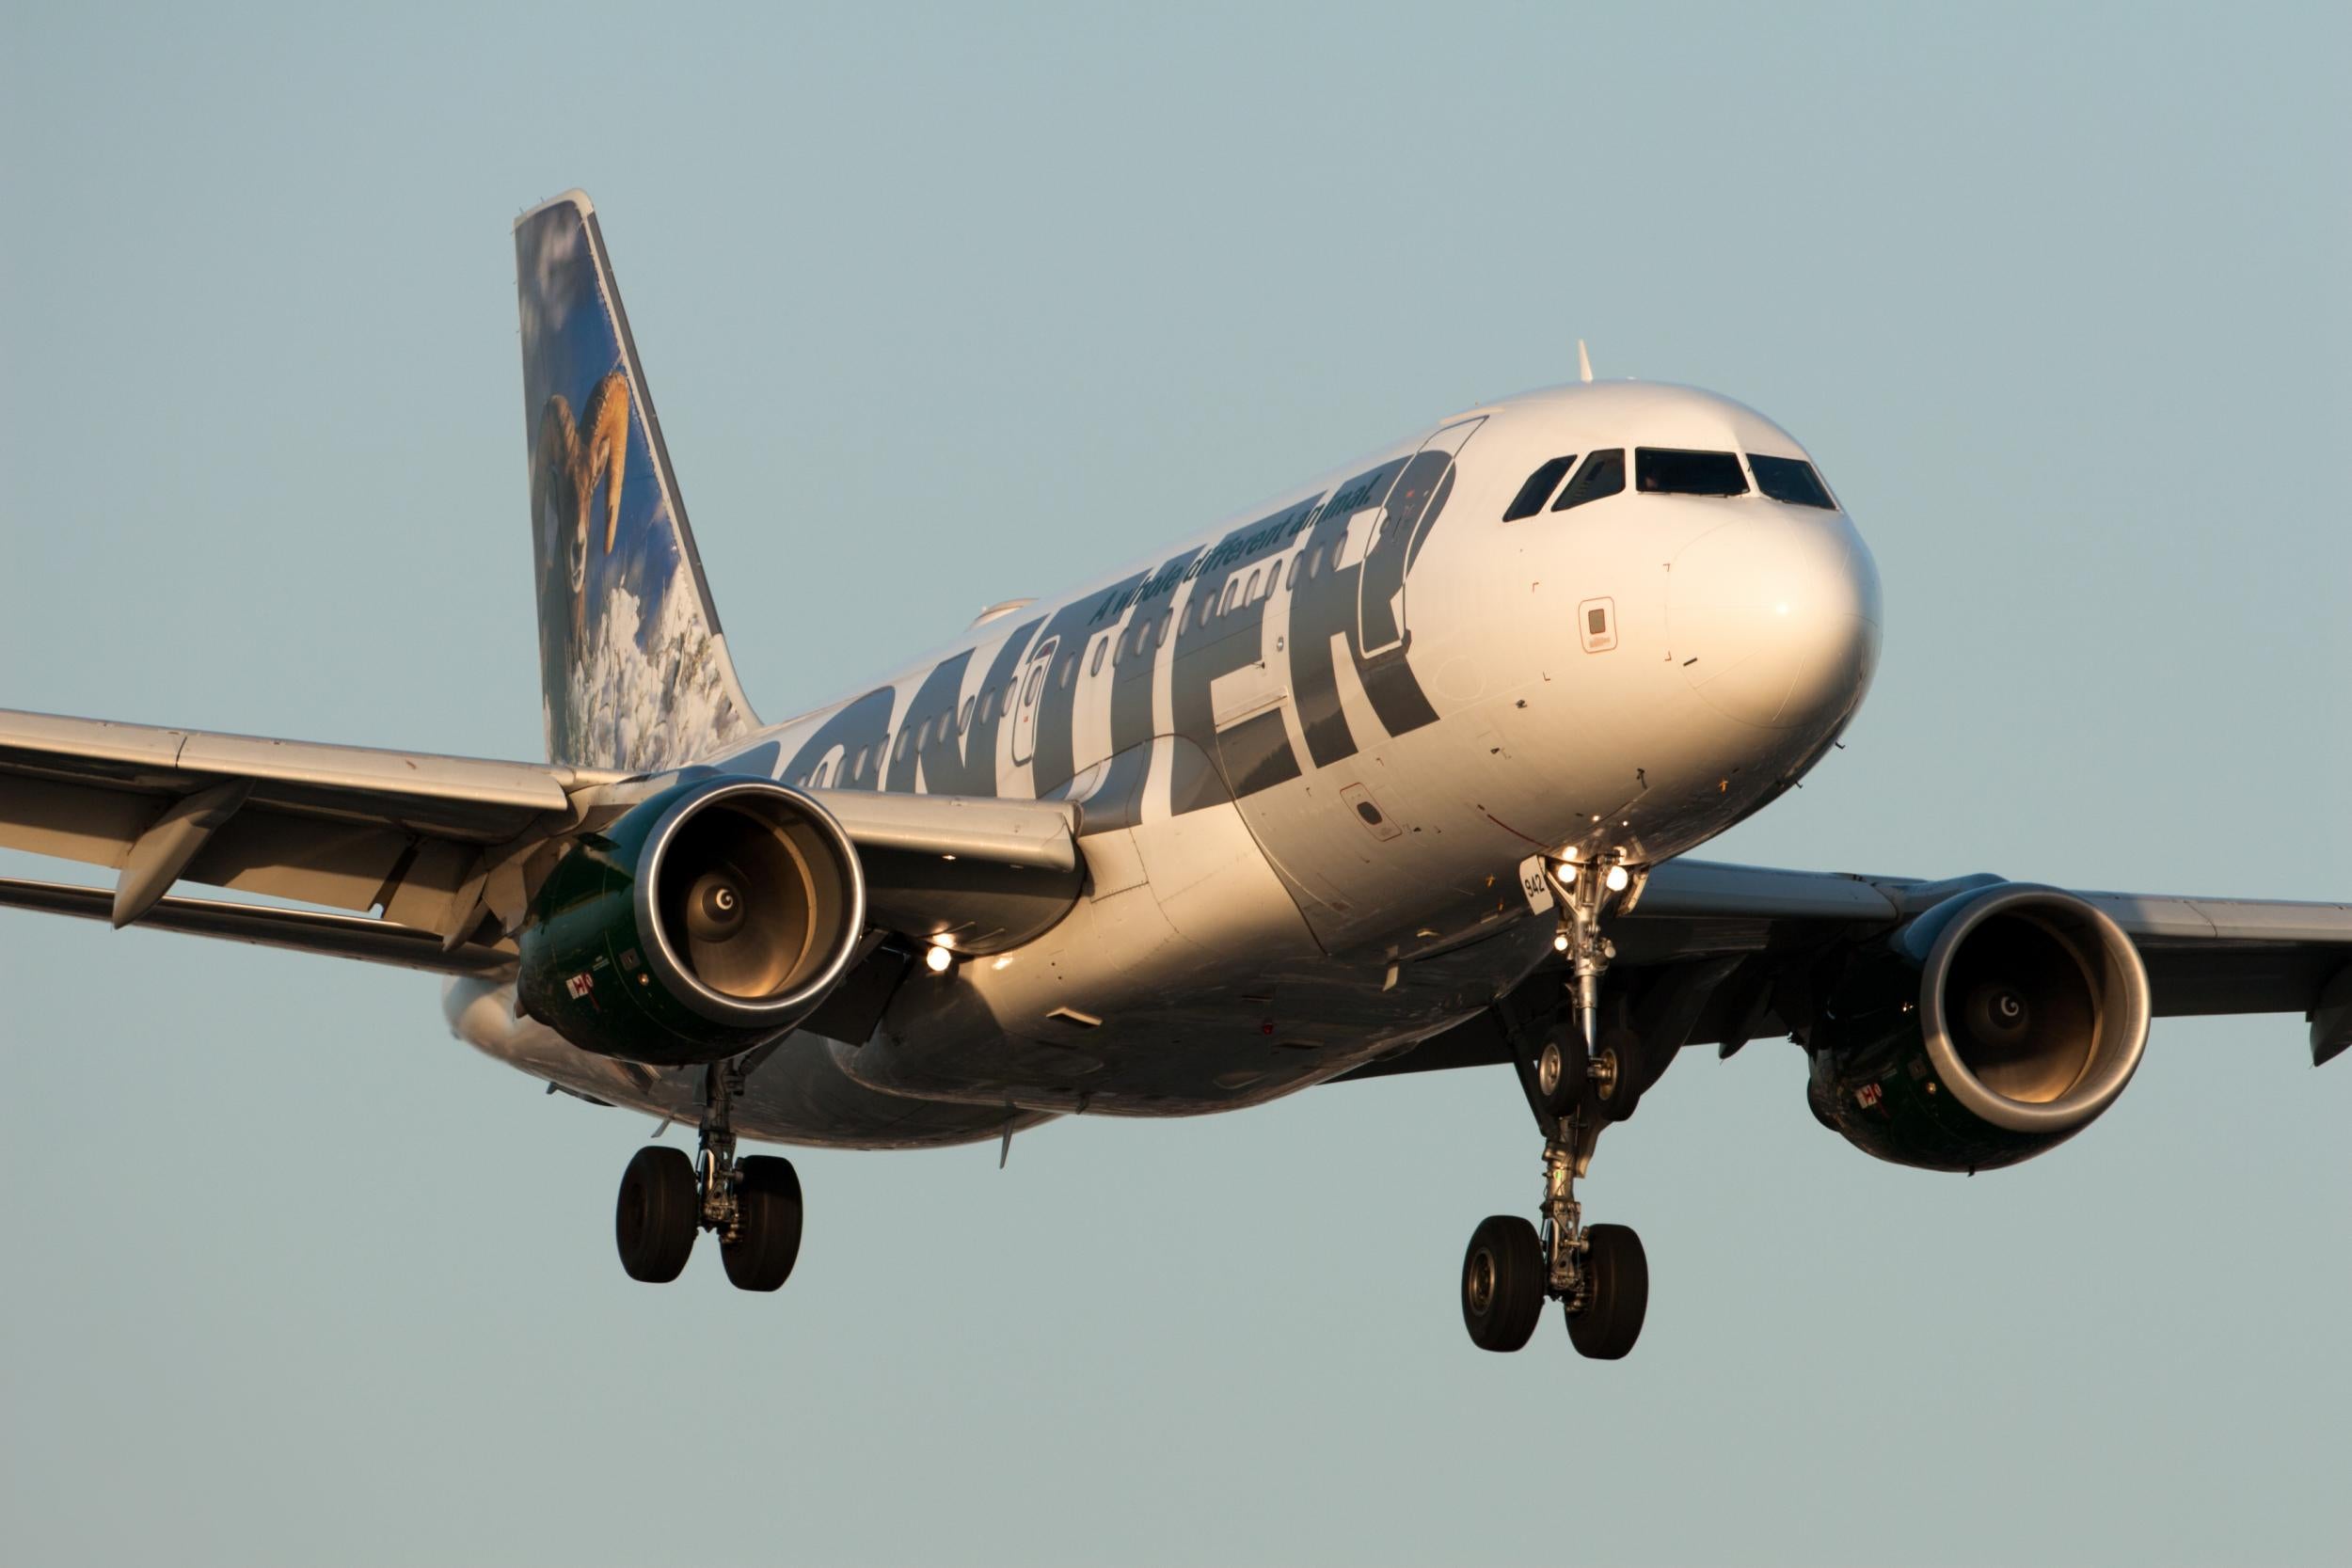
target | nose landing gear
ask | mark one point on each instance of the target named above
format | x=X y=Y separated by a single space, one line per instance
x=753 y=1203
x=1576 y=1084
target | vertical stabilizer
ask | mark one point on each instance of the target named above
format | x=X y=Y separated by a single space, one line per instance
x=634 y=670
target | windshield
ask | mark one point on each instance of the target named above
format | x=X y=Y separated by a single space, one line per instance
x=1603 y=474
x=1672 y=471
x=1538 y=489
x=1792 y=480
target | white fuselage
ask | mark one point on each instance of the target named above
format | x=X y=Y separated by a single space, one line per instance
x=1313 y=747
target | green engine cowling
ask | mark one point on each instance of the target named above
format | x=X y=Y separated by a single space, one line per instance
x=1988 y=1030
x=705 y=921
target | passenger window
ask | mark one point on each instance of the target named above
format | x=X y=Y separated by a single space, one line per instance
x=1232 y=591
x=859 y=771
x=1538 y=489
x=906 y=738
x=1672 y=471
x=1792 y=480
x=1250 y=594
x=1603 y=474
x=1314 y=561
x=1099 y=648
x=964 y=719
x=1037 y=678
x=1294 y=574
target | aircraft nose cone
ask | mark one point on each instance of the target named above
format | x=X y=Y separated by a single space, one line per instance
x=1775 y=619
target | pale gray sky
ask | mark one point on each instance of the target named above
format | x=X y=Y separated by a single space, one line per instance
x=2057 y=296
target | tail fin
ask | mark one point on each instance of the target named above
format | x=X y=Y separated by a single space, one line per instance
x=634 y=670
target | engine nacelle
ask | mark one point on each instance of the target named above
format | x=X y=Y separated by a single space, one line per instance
x=1988 y=1030
x=703 y=922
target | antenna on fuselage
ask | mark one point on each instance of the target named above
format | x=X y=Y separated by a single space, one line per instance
x=1584 y=362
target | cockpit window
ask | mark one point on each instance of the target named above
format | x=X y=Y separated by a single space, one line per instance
x=1792 y=480
x=1672 y=471
x=1538 y=488
x=1603 y=474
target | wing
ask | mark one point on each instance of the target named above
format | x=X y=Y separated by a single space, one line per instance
x=436 y=847
x=1723 y=954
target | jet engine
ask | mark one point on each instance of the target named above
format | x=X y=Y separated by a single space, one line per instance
x=702 y=922
x=1989 y=1029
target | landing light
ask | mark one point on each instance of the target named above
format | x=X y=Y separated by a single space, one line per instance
x=939 y=959
x=1618 y=879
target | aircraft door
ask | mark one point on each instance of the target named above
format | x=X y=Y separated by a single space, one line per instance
x=1033 y=678
x=1388 y=549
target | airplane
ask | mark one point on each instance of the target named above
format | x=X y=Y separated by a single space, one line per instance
x=1398 y=770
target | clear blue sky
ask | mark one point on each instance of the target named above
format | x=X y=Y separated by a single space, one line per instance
x=997 y=297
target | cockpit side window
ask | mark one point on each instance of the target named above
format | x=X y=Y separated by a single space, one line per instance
x=1673 y=472
x=1603 y=474
x=1538 y=489
x=1792 y=480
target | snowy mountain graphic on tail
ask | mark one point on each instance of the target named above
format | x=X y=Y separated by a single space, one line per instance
x=634 y=671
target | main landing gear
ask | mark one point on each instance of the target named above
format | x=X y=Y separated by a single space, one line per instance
x=1576 y=1082
x=753 y=1202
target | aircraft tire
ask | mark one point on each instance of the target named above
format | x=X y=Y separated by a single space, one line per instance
x=1556 y=1081
x=1617 y=1295
x=1503 y=1283
x=1624 y=1048
x=767 y=1239
x=657 y=1217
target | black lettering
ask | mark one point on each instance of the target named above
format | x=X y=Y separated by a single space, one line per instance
x=1217 y=644
x=856 y=726
x=1052 y=765
x=1326 y=605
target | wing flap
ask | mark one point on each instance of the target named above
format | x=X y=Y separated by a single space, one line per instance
x=342 y=936
x=345 y=825
x=93 y=824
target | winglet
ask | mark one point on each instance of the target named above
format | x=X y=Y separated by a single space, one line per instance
x=1584 y=362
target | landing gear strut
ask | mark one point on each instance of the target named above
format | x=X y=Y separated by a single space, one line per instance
x=1576 y=1082
x=751 y=1202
